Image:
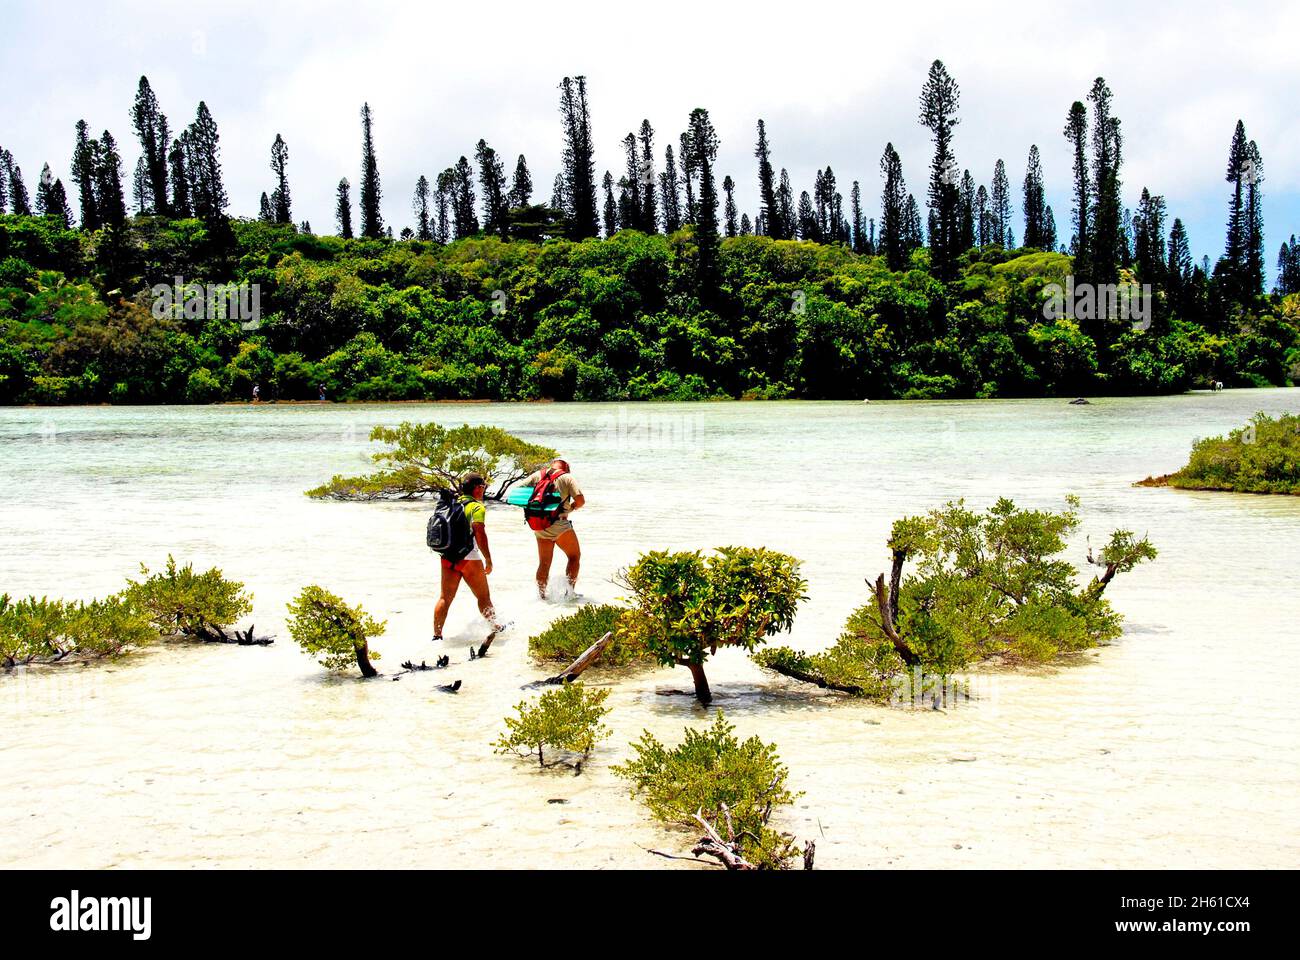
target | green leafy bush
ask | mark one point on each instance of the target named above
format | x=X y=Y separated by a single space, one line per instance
x=1261 y=457
x=568 y=718
x=47 y=631
x=984 y=585
x=566 y=638
x=688 y=605
x=180 y=602
x=427 y=457
x=622 y=318
x=713 y=774
x=337 y=634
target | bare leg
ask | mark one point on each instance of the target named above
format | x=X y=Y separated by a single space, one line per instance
x=568 y=542
x=476 y=580
x=545 y=551
x=450 y=583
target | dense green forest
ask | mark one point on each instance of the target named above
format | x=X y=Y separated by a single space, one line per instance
x=668 y=292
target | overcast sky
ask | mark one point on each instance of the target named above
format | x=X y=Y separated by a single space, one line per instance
x=834 y=82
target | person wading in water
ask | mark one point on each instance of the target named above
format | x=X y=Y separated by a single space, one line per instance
x=476 y=565
x=556 y=494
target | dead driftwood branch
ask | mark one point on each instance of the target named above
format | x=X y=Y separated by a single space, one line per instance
x=727 y=850
x=410 y=666
x=214 y=634
x=585 y=659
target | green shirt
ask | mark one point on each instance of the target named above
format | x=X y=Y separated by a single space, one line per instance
x=475 y=510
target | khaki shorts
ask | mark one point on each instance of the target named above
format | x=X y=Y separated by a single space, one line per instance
x=556 y=530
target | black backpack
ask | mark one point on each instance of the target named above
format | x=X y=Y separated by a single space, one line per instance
x=449 y=534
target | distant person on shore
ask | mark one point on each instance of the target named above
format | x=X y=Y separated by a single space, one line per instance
x=257 y=393
x=322 y=393
x=556 y=494
x=477 y=565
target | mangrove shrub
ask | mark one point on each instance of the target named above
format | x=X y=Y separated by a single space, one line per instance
x=180 y=602
x=980 y=585
x=1261 y=457
x=337 y=634
x=568 y=719
x=426 y=457
x=569 y=636
x=714 y=775
x=46 y=631
x=687 y=605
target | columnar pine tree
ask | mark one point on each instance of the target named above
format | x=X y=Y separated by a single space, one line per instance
x=859 y=225
x=444 y=192
x=1035 y=209
x=558 y=200
x=807 y=217
x=689 y=172
x=1049 y=229
x=59 y=208
x=1288 y=268
x=4 y=184
x=913 y=235
x=629 y=198
x=203 y=160
x=646 y=176
x=827 y=217
x=1105 y=252
x=769 y=205
x=579 y=159
x=420 y=207
x=1179 y=267
x=182 y=208
x=704 y=152
x=1149 y=238
x=281 y=203
x=140 y=191
x=265 y=213
x=343 y=209
x=1000 y=204
x=966 y=233
x=670 y=193
x=372 y=221
x=983 y=217
x=18 y=199
x=629 y=211
x=893 y=210
x=785 y=206
x=1076 y=131
x=83 y=175
x=611 y=208
x=521 y=187
x=1253 y=277
x=108 y=182
x=746 y=228
x=52 y=199
x=940 y=99
x=155 y=136
x=463 y=202
x=729 y=215
x=492 y=178
x=1233 y=265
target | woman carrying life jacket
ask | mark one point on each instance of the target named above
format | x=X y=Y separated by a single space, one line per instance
x=556 y=494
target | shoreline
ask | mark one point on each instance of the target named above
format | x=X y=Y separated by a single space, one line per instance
x=542 y=401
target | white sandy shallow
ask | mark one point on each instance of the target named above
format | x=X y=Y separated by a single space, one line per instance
x=1176 y=746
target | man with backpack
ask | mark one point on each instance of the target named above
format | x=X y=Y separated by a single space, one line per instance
x=556 y=494
x=458 y=534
